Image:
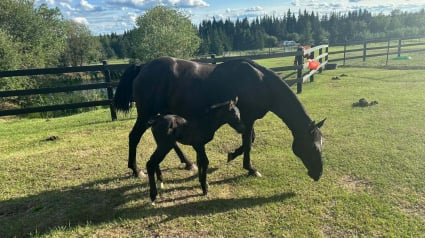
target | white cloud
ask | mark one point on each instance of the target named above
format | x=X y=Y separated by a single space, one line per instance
x=188 y=3
x=67 y=6
x=48 y=2
x=81 y=20
x=86 y=5
x=145 y=4
x=254 y=9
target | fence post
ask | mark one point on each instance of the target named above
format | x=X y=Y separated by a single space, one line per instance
x=364 y=51
x=321 y=59
x=300 y=61
x=345 y=51
x=109 y=89
x=399 y=48
x=311 y=57
x=388 y=52
x=213 y=60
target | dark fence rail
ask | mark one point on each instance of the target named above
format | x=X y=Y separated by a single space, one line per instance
x=297 y=69
x=107 y=84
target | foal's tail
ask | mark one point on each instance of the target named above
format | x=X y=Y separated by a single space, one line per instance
x=124 y=93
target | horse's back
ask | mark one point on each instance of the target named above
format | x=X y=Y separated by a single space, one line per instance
x=170 y=85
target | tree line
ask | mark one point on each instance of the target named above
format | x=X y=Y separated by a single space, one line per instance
x=307 y=28
x=37 y=37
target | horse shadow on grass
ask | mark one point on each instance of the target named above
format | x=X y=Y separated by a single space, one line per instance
x=106 y=200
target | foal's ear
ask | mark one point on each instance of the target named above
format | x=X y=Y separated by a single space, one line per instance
x=320 y=124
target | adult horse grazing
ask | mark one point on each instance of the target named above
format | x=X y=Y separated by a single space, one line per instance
x=196 y=132
x=169 y=85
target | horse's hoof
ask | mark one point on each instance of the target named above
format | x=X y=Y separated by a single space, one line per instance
x=140 y=174
x=153 y=203
x=254 y=174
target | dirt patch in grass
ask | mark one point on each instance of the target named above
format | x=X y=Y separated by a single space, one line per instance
x=355 y=184
x=414 y=206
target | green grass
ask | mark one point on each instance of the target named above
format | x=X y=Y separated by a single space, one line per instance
x=373 y=186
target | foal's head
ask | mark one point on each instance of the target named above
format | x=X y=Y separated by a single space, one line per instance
x=228 y=112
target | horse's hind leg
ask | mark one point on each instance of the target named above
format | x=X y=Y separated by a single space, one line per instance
x=133 y=140
x=183 y=158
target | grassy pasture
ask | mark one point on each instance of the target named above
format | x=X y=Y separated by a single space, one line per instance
x=373 y=184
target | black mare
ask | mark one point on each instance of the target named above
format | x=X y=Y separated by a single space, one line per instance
x=185 y=88
x=168 y=129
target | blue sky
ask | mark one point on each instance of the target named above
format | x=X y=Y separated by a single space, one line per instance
x=107 y=16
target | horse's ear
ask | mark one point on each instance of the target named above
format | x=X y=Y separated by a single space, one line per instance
x=320 y=124
x=232 y=104
x=236 y=100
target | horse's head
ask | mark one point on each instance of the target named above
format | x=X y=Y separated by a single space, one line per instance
x=308 y=146
x=230 y=114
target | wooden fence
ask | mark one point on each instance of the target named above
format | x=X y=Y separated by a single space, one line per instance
x=362 y=50
x=297 y=73
x=107 y=84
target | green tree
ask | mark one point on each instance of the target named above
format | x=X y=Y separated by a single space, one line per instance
x=163 y=31
x=81 y=47
x=9 y=55
x=38 y=33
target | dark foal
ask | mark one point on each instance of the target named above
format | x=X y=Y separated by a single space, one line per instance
x=169 y=129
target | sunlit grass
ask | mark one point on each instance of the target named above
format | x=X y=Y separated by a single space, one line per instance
x=372 y=186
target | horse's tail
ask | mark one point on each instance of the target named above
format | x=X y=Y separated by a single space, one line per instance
x=124 y=92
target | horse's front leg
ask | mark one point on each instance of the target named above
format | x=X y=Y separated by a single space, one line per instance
x=183 y=158
x=202 y=161
x=240 y=150
x=246 y=144
x=133 y=140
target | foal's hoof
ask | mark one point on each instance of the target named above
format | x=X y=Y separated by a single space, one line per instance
x=254 y=174
x=192 y=167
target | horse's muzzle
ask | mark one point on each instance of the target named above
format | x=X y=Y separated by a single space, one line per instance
x=314 y=176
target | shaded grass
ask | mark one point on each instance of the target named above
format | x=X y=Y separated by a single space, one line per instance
x=372 y=185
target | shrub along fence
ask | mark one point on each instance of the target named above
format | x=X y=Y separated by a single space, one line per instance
x=297 y=75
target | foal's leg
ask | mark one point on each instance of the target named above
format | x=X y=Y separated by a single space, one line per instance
x=202 y=161
x=134 y=138
x=159 y=177
x=152 y=166
x=183 y=158
x=240 y=150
